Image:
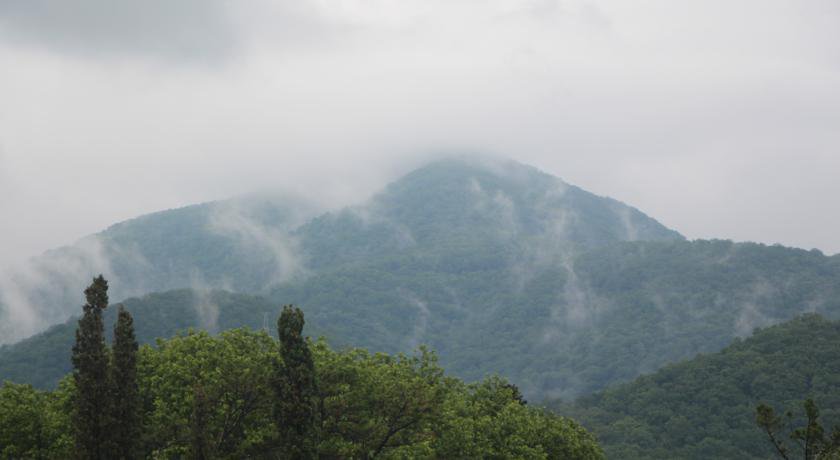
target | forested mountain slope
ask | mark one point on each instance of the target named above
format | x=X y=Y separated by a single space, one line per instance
x=242 y=244
x=464 y=206
x=253 y=243
x=705 y=408
x=44 y=358
x=497 y=266
x=228 y=396
x=562 y=333
x=575 y=326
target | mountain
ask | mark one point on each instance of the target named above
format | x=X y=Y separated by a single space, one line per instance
x=253 y=243
x=458 y=204
x=43 y=359
x=705 y=407
x=572 y=326
x=499 y=267
x=241 y=244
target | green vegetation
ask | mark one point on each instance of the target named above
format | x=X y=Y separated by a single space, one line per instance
x=811 y=440
x=496 y=266
x=500 y=268
x=705 y=407
x=92 y=400
x=241 y=394
x=124 y=401
x=295 y=387
x=42 y=360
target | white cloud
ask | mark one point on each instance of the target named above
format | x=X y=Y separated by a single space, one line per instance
x=718 y=118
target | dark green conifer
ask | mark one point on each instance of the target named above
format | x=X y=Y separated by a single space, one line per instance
x=125 y=429
x=295 y=387
x=90 y=364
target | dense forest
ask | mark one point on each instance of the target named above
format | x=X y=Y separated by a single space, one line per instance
x=706 y=407
x=660 y=303
x=509 y=274
x=42 y=360
x=701 y=408
x=244 y=394
x=498 y=267
x=253 y=243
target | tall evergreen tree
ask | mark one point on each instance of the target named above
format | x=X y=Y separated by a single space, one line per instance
x=125 y=402
x=90 y=364
x=295 y=387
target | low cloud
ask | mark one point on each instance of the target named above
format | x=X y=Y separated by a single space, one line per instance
x=258 y=234
x=206 y=309
x=421 y=319
x=42 y=291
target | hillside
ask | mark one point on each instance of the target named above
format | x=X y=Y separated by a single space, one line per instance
x=459 y=205
x=241 y=244
x=606 y=316
x=41 y=360
x=497 y=266
x=705 y=407
x=235 y=395
x=253 y=243
x=666 y=302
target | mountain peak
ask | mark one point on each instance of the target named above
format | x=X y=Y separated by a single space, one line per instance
x=478 y=193
x=467 y=167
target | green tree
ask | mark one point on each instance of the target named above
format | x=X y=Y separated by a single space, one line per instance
x=208 y=396
x=810 y=439
x=295 y=387
x=377 y=405
x=35 y=424
x=21 y=422
x=488 y=419
x=125 y=415
x=90 y=364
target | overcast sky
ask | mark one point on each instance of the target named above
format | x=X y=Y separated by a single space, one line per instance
x=719 y=118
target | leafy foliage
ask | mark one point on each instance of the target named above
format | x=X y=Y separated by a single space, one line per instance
x=212 y=396
x=496 y=266
x=35 y=424
x=810 y=439
x=705 y=407
x=43 y=359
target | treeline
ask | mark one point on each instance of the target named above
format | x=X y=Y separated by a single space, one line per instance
x=243 y=394
x=706 y=407
x=44 y=359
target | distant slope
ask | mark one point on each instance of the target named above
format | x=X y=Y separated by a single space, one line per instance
x=458 y=203
x=44 y=358
x=499 y=267
x=705 y=408
x=572 y=326
x=629 y=308
x=241 y=244
x=252 y=243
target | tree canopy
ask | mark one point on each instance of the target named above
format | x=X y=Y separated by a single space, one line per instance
x=213 y=396
x=705 y=407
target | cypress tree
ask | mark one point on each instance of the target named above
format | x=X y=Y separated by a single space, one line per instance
x=125 y=403
x=90 y=373
x=295 y=387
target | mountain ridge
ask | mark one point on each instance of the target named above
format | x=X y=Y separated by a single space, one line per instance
x=704 y=407
x=251 y=243
x=502 y=269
